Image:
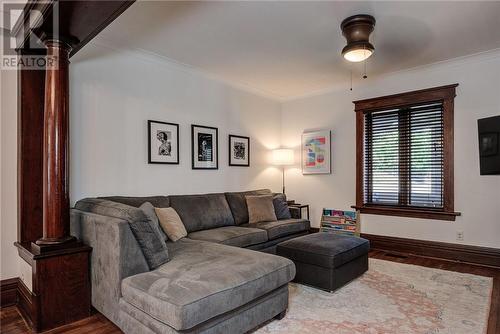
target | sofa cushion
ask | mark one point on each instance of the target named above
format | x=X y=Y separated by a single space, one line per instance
x=238 y=204
x=281 y=207
x=171 y=223
x=149 y=211
x=281 y=228
x=260 y=209
x=231 y=235
x=323 y=249
x=204 y=280
x=151 y=245
x=148 y=236
x=156 y=201
x=202 y=212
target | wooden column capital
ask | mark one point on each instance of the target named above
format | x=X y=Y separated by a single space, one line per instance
x=55 y=146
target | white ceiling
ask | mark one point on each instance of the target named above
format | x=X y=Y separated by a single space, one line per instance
x=288 y=49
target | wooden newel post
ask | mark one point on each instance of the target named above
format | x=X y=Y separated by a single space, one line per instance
x=56 y=225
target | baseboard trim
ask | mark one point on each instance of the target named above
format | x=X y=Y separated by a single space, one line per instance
x=8 y=292
x=456 y=252
x=15 y=293
x=26 y=305
x=484 y=256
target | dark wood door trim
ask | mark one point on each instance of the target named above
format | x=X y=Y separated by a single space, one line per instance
x=402 y=99
x=446 y=94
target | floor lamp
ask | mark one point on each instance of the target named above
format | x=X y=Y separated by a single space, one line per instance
x=283 y=157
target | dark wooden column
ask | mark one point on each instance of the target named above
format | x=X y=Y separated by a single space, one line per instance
x=55 y=145
x=60 y=264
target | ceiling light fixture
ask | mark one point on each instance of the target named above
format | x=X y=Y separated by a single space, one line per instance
x=357 y=29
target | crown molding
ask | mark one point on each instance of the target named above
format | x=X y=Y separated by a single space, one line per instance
x=170 y=63
x=149 y=56
x=458 y=61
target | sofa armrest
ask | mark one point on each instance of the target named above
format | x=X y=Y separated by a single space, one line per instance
x=115 y=256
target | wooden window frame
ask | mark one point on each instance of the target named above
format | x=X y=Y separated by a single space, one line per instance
x=444 y=94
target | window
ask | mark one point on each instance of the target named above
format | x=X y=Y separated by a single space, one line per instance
x=405 y=154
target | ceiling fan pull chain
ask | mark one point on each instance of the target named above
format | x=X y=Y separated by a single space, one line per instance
x=364 y=64
x=350 y=71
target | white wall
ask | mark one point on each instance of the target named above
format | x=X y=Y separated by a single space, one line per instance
x=476 y=197
x=11 y=265
x=8 y=212
x=112 y=95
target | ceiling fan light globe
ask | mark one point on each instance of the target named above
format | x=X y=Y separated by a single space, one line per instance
x=357 y=55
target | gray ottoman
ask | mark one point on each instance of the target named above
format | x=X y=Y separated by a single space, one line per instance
x=326 y=260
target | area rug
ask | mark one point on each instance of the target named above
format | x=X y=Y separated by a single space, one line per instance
x=391 y=298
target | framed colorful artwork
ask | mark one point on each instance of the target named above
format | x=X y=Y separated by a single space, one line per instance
x=163 y=142
x=316 y=150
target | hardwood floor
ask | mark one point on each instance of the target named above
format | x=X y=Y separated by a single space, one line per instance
x=11 y=321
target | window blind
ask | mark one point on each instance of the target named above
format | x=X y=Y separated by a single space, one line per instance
x=403 y=156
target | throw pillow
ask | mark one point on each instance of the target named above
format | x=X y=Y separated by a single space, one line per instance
x=260 y=209
x=149 y=211
x=171 y=223
x=280 y=207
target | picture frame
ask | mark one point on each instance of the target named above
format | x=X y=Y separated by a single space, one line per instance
x=239 y=151
x=204 y=147
x=316 y=152
x=163 y=143
x=488 y=144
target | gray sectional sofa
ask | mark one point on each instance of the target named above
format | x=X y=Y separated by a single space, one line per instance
x=214 y=282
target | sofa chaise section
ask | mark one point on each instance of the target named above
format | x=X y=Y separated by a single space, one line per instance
x=204 y=280
x=240 y=320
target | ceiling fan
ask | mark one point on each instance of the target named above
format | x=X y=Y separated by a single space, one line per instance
x=357 y=29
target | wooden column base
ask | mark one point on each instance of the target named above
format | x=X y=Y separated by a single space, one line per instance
x=49 y=244
x=61 y=283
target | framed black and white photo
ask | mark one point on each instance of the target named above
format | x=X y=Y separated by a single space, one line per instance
x=239 y=151
x=204 y=147
x=163 y=142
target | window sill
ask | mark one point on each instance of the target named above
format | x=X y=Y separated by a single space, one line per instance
x=405 y=212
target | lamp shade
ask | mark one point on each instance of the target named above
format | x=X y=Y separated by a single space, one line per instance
x=283 y=157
